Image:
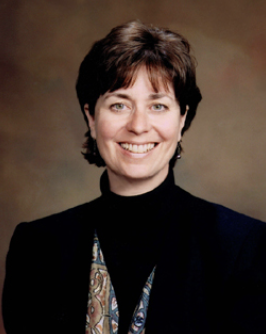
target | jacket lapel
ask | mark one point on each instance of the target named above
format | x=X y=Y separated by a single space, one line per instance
x=178 y=296
x=76 y=262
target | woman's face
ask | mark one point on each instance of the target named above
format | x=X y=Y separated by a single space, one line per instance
x=137 y=131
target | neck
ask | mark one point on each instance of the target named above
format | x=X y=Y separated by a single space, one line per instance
x=124 y=186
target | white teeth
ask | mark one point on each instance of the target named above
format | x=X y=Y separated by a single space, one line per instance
x=138 y=148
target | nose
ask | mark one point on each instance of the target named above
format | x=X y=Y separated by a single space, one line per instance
x=139 y=122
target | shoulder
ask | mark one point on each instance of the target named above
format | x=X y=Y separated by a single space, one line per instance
x=220 y=226
x=225 y=219
x=47 y=253
x=63 y=220
x=62 y=230
x=227 y=238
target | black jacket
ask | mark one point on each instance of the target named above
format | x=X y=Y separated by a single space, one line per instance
x=211 y=276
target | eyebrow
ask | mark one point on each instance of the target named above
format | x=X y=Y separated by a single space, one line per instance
x=122 y=96
x=154 y=96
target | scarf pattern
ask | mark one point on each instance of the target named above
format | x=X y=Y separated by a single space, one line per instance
x=103 y=314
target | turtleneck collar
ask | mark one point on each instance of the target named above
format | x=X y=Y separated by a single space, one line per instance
x=161 y=193
x=131 y=231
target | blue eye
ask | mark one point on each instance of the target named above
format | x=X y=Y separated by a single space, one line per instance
x=159 y=107
x=118 y=106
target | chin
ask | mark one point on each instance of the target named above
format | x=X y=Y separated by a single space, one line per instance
x=142 y=173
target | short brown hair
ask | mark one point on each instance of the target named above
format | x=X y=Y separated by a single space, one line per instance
x=113 y=61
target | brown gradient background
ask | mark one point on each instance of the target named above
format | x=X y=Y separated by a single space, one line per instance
x=41 y=127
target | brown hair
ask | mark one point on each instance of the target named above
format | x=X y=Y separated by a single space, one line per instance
x=112 y=63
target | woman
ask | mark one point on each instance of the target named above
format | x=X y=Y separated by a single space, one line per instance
x=146 y=255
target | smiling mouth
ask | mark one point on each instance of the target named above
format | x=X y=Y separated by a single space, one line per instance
x=144 y=148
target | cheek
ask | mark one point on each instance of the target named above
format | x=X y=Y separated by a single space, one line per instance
x=170 y=130
x=103 y=129
x=106 y=129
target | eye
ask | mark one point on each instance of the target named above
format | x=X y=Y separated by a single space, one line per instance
x=118 y=106
x=159 y=107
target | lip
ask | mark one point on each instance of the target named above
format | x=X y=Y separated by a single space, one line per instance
x=137 y=149
x=137 y=143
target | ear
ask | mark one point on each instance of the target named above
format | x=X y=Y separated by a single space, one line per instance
x=91 y=120
x=183 y=120
x=184 y=116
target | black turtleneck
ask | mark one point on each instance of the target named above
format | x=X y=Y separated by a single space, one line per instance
x=131 y=235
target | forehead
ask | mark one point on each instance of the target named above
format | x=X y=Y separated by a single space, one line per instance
x=141 y=89
x=146 y=79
